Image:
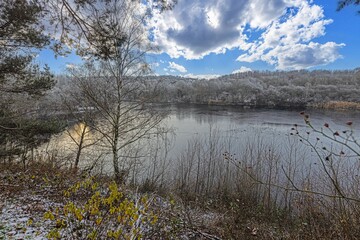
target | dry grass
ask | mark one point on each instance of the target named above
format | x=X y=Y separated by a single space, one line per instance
x=231 y=216
x=337 y=105
x=39 y=177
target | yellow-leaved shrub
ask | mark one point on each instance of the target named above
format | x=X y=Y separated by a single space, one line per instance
x=94 y=211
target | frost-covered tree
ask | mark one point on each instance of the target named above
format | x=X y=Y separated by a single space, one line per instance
x=109 y=86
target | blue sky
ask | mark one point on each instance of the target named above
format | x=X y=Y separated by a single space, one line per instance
x=206 y=38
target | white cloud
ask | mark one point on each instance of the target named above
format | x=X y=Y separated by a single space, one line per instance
x=194 y=29
x=176 y=67
x=242 y=69
x=71 y=66
x=201 y=76
x=288 y=44
x=302 y=56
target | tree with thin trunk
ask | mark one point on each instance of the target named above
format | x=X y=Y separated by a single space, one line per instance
x=112 y=87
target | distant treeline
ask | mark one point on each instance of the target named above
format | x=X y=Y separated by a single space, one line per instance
x=255 y=89
x=261 y=88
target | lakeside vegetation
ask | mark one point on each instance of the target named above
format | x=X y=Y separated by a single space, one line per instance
x=338 y=105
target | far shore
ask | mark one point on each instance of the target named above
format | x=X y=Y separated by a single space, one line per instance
x=331 y=105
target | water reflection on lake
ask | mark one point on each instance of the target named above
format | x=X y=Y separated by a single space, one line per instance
x=213 y=146
x=273 y=125
x=258 y=143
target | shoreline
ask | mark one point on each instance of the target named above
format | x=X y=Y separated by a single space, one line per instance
x=331 y=105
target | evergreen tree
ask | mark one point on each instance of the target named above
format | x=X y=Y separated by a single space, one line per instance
x=21 y=81
x=344 y=3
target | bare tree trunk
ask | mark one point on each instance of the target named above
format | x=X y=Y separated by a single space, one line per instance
x=116 y=165
x=80 y=147
x=115 y=152
x=23 y=158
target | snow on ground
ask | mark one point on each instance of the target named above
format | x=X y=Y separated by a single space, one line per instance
x=21 y=217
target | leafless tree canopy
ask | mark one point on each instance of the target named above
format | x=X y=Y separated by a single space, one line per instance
x=108 y=86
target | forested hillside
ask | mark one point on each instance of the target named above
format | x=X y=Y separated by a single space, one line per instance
x=270 y=89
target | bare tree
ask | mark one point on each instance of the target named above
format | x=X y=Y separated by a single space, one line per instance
x=111 y=89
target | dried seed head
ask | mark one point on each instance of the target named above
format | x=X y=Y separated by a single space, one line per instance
x=349 y=123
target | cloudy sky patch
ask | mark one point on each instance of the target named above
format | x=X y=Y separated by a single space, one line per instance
x=217 y=37
x=289 y=29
